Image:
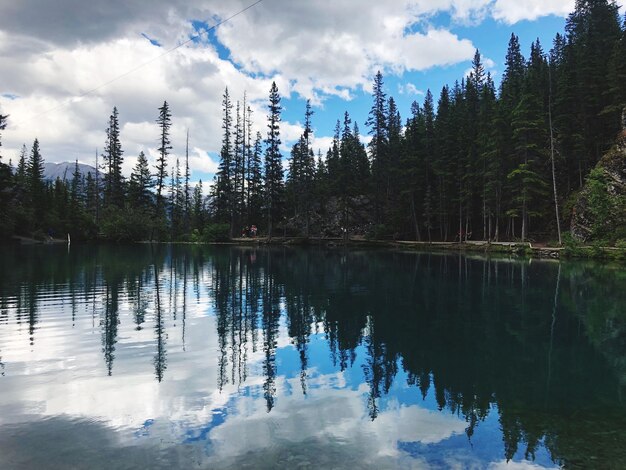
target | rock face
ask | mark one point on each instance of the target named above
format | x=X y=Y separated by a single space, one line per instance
x=331 y=218
x=613 y=166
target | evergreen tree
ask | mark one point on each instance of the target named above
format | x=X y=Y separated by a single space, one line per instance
x=255 y=182
x=165 y=122
x=197 y=205
x=273 y=163
x=224 y=184
x=35 y=185
x=21 y=167
x=3 y=126
x=6 y=180
x=530 y=141
x=187 y=193
x=377 y=121
x=299 y=187
x=112 y=156
x=141 y=183
x=593 y=30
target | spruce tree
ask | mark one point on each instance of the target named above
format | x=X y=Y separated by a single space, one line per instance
x=274 y=187
x=164 y=122
x=224 y=184
x=255 y=182
x=141 y=183
x=35 y=184
x=377 y=122
x=112 y=156
x=187 y=192
x=197 y=205
x=3 y=126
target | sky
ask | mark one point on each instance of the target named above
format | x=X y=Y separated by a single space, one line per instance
x=65 y=64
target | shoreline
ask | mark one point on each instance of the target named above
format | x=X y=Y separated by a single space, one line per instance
x=526 y=249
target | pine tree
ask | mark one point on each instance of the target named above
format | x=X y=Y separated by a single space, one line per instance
x=274 y=186
x=112 y=156
x=530 y=141
x=593 y=29
x=237 y=172
x=21 y=167
x=255 y=182
x=3 y=126
x=35 y=184
x=249 y=162
x=141 y=183
x=197 y=205
x=6 y=180
x=377 y=121
x=165 y=122
x=299 y=186
x=392 y=171
x=187 y=192
x=442 y=167
x=224 y=184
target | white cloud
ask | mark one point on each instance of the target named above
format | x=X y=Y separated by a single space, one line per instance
x=409 y=89
x=323 y=55
x=50 y=54
x=513 y=11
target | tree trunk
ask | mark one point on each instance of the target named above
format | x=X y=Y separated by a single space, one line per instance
x=417 y=227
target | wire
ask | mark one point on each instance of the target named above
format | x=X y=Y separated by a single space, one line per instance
x=134 y=69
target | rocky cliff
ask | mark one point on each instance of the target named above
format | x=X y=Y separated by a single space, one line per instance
x=600 y=211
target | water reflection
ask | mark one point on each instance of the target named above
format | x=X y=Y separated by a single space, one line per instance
x=530 y=355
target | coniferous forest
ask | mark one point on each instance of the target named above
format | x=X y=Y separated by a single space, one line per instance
x=473 y=161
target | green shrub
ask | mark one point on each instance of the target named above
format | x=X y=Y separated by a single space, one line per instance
x=196 y=236
x=216 y=233
x=621 y=243
x=377 y=232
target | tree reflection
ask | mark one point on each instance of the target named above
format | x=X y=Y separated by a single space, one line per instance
x=536 y=343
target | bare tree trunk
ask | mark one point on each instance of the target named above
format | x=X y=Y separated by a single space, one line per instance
x=556 y=199
x=524 y=218
x=417 y=227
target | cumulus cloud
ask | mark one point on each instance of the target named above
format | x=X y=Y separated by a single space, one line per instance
x=52 y=53
x=409 y=89
x=512 y=12
x=337 y=49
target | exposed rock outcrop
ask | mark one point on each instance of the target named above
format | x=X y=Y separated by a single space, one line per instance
x=587 y=219
x=333 y=216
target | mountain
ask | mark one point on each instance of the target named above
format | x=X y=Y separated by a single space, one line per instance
x=65 y=170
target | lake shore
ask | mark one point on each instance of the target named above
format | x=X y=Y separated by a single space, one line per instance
x=537 y=250
x=528 y=249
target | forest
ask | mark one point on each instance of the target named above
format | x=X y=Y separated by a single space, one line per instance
x=479 y=161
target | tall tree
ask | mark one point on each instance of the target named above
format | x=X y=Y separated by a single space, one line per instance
x=255 y=182
x=141 y=184
x=112 y=156
x=164 y=122
x=187 y=189
x=3 y=126
x=35 y=184
x=274 y=185
x=377 y=122
x=224 y=184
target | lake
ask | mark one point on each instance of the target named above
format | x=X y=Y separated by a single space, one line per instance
x=275 y=357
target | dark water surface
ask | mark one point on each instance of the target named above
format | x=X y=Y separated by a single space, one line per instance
x=236 y=357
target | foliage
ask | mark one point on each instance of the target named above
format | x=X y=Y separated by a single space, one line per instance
x=124 y=224
x=475 y=165
x=216 y=232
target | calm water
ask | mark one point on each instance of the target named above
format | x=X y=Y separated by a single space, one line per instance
x=227 y=357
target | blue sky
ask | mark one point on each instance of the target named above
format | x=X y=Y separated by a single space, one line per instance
x=490 y=37
x=325 y=50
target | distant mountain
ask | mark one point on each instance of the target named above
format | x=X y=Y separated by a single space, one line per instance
x=65 y=170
